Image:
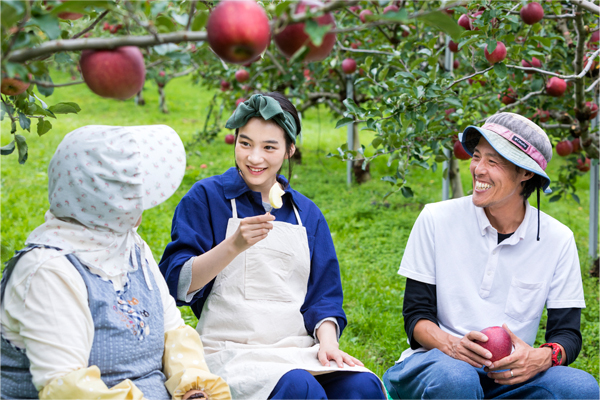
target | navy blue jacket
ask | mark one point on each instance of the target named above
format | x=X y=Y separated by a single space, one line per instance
x=200 y=223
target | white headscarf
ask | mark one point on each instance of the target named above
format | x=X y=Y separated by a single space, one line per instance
x=100 y=180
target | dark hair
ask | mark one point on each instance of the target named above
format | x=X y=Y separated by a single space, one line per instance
x=530 y=185
x=286 y=105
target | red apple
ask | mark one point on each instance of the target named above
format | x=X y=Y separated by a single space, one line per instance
x=13 y=86
x=532 y=13
x=564 y=148
x=465 y=22
x=593 y=108
x=391 y=7
x=499 y=342
x=508 y=97
x=349 y=66
x=456 y=64
x=238 y=30
x=594 y=40
x=584 y=166
x=229 y=138
x=241 y=75
x=225 y=86
x=460 y=152
x=106 y=26
x=543 y=115
x=448 y=112
x=355 y=45
x=535 y=63
x=354 y=9
x=453 y=47
x=556 y=86
x=118 y=73
x=576 y=145
x=293 y=37
x=161 y=73
x=363 y=15
x=497 y=55
x=239 y=101
x=203 y=166
x=472 y=81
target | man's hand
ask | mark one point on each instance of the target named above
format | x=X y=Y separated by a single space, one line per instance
x=524 y=363
x=467 y=350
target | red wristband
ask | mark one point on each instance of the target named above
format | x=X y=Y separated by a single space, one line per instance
x=556 y=353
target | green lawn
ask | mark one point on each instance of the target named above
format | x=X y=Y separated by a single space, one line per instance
x=370 y=234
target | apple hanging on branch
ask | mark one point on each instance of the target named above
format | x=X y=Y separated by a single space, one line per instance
x=238 y=31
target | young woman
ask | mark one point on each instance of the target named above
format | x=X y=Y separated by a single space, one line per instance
x=86 y=313
x=265 y=283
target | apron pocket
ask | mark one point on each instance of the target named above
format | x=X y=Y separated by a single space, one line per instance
x=525 y=300
x=267 y=273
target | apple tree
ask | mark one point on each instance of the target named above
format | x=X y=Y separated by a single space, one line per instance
x=536 y=59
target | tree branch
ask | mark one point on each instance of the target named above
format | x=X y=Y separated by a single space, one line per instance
x=277 y=65
x=556 y=126
x=587 y=5
x=14 y=37
x=183 y=73
x=49 y=85
x=92 y=25
x=579 y=76
x=383 y=53
x=591 y=87
x=191 y=14
x=54 y=46
x=546 y=16
x=521 y=100
x=464 y=78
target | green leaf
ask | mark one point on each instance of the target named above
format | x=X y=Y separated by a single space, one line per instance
x=453 y=101
x=576 y=198
x=46 y=91
x=407 y=192
x=467 y=42
x=299 y=55
x=368 y=62
x=11 y=12
x=431 y=109
x=397 y=16
x=352 y=107
x=24 y=121
x=382 y=74
x=406 y=75
x=281 y=7
x=43 y=126
x=48 y=24
x=199 y=21
x=22 y=146
x=554 y=198
x=165 y=24
x=181 y=19
x=316 y=32
x=500 y=70
x=65 y=108
x=343 y=122
x=82 y=6
x=491 y=45
x=8 y=149
x=443 y=22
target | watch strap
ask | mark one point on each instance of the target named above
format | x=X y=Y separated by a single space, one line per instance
x=556 y=353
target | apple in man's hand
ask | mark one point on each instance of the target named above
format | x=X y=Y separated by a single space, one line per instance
x=498 y=343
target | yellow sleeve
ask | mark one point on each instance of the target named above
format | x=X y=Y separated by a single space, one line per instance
x=85 y=383
x=185 y=368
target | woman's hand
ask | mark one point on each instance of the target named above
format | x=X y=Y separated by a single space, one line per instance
x=329 y=347
x=524 y=363
x=331 y=351
x=252 y=230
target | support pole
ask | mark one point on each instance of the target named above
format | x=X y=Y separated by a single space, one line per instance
x=594 y=178
x=350 y=95
x=448 y=65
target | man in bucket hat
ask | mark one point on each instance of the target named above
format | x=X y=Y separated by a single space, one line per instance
x=487 y=260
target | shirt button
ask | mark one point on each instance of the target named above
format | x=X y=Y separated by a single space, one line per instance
x=494 y=252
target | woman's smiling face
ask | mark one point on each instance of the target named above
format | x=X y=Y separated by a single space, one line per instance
x=260 y=150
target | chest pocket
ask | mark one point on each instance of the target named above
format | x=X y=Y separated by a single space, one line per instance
x=267 y=274
x=525 y=300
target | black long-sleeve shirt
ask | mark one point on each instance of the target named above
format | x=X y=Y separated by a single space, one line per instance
x=562 y=326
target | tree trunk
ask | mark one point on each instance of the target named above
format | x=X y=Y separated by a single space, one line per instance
x=139 y=98
x=454 y=176
x=360 y=175
x=163 y=101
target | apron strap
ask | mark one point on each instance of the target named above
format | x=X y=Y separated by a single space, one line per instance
x=233 y=208
x=297 y=215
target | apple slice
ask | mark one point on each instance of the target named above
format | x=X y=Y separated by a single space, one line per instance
x=275 y=195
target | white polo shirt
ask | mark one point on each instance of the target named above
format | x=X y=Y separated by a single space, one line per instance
x=481 y=283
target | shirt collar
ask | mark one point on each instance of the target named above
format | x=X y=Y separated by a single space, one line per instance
x=234 y=186
x=484 y=223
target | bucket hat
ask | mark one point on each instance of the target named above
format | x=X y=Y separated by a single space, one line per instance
x=515 y=138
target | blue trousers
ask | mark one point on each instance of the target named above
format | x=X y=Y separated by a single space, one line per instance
x=300 y=384
x=435 y=375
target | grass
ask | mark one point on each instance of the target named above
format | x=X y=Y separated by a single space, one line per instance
x=370 y=234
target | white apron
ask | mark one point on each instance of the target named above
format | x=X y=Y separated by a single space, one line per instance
x=251 y=326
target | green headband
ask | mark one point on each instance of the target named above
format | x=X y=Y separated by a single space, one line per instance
x=267 y=108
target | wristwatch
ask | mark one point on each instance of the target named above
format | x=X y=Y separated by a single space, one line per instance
x=556 y=353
